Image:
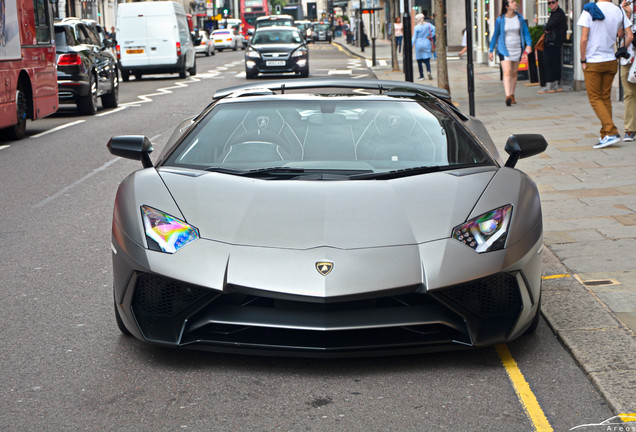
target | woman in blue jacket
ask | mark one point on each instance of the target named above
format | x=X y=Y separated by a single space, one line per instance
x=422 y=41
x=511 y=38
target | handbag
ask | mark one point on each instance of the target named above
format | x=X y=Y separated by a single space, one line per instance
x=631 y=75
x=540 y=43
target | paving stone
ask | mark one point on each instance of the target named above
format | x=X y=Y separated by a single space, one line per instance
x=618 y=388
x=583 y=311
x=602 y=349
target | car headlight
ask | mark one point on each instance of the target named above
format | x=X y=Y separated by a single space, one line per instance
x=299 y=53
x=485 y=233
x=166 y=233
x=252 y=53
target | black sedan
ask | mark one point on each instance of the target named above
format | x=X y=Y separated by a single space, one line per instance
x=277 y=50
x=86 y=68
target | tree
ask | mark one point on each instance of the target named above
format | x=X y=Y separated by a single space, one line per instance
x=393 y=8
x=440 y=31
x=282 y=3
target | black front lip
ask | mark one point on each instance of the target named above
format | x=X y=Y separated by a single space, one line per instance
x=170 y=313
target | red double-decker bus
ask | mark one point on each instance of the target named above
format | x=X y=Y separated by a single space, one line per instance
x=27 y=65
x=252 y=9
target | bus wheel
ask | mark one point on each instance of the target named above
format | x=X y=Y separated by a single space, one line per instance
x=18 y=131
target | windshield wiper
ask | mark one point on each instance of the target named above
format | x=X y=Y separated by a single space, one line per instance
x=257 y=172
x=405 y=172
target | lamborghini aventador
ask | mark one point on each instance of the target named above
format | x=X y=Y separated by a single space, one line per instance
x=327 y=218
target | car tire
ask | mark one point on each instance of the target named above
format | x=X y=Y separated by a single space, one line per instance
x=87 y=105
x=305 y=72
x=183 y=71
x=235 y=47
x=193 y=70
x=125 y=76
x=120 y=323
x=535 y=321
x=214 y=51
x=111 y=100
x=249 y=74
x=18 y=130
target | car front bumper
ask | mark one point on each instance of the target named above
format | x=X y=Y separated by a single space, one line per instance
x=403 y=303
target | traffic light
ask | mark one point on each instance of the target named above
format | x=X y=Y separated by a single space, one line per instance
x=226 y=12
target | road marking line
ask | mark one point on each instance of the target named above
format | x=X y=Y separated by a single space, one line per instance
x=120 y=108
x=72 y=185
x=5 y=146
x=560 y=276
x=522 y=388
x=55 y=129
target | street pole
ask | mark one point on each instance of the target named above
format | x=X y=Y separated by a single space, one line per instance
x=470 y=72
x=361 y=30
x=408 y=48
x=374 y=63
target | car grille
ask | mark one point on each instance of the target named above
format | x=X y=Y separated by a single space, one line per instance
x=491 y=297
x=275 y=56
x=175 y=313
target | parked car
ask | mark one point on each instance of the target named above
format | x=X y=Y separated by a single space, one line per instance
x=322 y=32
x=203 y=44
x=328 y=222
x=154 y=38
x=274 y=20
x=86 y=69
x=227 y=38
x=277 y=50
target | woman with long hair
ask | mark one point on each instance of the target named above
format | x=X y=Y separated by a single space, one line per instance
x=511 y=38
x=423 y=44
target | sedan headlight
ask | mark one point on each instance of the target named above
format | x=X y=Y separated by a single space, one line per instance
x=299 y=53
x=252 y=53
x=487 y=232
x=166 y=233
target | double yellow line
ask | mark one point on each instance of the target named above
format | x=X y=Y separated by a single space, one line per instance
x=522 y=388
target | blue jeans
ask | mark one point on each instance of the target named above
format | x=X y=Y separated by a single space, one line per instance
x=398 y=43
x=427 y=62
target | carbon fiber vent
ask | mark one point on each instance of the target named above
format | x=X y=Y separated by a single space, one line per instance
x=491 y=297
x=159 y=296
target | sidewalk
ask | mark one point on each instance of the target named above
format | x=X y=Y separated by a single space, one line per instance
x=589 y=215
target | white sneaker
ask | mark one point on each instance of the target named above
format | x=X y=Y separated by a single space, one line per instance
x=608 y=140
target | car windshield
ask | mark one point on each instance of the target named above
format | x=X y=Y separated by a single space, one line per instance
x=276 y=37
x=218 y=32
x=321 y=27
x=346 y=135
x=275 y=22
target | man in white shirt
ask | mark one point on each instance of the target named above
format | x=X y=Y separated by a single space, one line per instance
x=629 y=89
x=601 y=23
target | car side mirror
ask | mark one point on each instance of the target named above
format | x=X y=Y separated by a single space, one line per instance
x=136 y=147
x=523 y=146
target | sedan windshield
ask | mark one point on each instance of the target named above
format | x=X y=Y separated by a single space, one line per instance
x=344 y=136
x=267 y=37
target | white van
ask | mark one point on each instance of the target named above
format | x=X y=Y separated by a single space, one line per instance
x=153 y=37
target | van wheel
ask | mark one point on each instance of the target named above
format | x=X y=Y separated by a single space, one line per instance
x=193 y=70
x=125 y=76
x=18 y=130
x=87 y=105
x=137 y=76
x=182 y=72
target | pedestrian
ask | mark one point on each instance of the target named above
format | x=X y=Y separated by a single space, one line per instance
x=432 y=22
x=555 y=33
x=399 y=33
x=629 y=89
x=601 y=23
x=511 y=38
x=464 y=49
x=422 y=42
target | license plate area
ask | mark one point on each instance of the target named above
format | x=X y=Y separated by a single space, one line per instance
x=275 y=63
x=135 y=51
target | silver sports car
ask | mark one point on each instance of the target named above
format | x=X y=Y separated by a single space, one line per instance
x=327 y=218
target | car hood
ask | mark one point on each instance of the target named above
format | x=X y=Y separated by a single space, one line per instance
x=339 y=214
